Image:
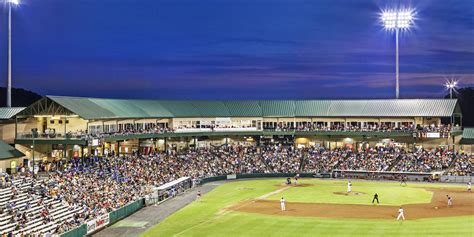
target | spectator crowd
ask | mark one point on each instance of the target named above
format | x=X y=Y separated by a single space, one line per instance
x=86 y=188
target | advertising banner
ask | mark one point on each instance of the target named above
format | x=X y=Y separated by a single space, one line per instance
x=433 y=135
x=97 y=223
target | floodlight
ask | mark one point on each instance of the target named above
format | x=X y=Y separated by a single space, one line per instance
x=396 y=20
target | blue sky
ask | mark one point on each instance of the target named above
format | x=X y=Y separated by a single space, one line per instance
x=239 y=49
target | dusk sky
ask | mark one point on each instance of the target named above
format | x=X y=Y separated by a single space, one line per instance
x=236 y=49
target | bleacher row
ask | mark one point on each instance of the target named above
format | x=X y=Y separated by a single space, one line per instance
x=30 y=205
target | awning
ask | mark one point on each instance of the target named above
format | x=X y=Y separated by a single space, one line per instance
x=9 y=152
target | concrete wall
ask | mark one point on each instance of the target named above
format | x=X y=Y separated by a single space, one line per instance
x=7 y=132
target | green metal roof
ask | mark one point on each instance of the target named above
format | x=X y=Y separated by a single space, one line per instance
x=9 y=112
x=211 y=108
x=244 y=108
x=278 y=108
x=9 y=152
x=94 y=108
x=468 y=133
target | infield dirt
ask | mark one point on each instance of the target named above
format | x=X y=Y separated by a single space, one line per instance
x=463 y=205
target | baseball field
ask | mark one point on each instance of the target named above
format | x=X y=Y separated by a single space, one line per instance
x=323 y=208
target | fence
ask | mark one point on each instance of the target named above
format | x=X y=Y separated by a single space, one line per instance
x=127 y=210
x=265 y=175
x=113 y=217
x=456 y=179
x=376 y=175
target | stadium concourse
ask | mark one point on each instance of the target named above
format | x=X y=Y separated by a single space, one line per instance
x=93 y=156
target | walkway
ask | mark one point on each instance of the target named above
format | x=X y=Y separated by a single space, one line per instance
x=147 y=217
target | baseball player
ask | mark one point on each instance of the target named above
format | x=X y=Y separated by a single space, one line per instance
x=469 y=186
x=376 y=197
x=403 y=180
x=282 y=204
x=296 y=178
x=349 y=186
x=450 y=201
x=400 y=214
x=198 y=196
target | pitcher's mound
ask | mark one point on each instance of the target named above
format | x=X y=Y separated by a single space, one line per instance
x=350 y=194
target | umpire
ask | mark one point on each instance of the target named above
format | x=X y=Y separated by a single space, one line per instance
x=376 y=197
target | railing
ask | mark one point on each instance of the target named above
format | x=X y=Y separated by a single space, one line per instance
x=41 y=136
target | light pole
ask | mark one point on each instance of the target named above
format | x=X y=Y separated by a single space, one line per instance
x=396 y=20
x=451 y=85
x=9 y=82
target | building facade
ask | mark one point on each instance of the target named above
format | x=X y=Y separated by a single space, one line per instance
x=56 y=128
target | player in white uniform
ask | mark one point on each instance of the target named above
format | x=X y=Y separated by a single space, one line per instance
x=282 y=204
x=400 y=214
x=349 y=186
x=468 y=186
x=450 y=201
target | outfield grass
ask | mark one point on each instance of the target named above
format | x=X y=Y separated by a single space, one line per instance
x=207 y=217
x=390 y=193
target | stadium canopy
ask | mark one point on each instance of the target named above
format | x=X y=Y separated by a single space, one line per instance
x=100 y=108
x=9 y=152
x=467 y=136
x=9 y=112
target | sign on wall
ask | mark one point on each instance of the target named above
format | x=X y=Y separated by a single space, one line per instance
x=433 y=135
x=97 y=223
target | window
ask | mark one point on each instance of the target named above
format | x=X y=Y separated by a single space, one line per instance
x=51 y=121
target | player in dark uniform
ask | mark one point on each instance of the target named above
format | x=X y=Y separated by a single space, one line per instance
x=376 y=197
x=403 y=180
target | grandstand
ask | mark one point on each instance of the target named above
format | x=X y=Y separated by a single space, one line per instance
x=94 y=157
x=75 y=126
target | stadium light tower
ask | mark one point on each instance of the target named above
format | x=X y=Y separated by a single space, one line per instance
x=9 y=80
x=396 y=20
x=451 y=85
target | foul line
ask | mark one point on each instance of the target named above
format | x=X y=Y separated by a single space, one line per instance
x=248 y=203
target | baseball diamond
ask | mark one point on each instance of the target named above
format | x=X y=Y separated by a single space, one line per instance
x=313 y=209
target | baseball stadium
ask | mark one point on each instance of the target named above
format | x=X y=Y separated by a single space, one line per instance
x=237 y=118
x=117 y=167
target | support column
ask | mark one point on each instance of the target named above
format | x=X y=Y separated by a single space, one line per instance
x=195 y=143
x=65 y=119
x=166 y=145
x=139 y=147
x=64 y=150
x=82 y=151
x=118 y=148
x=16 y=127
